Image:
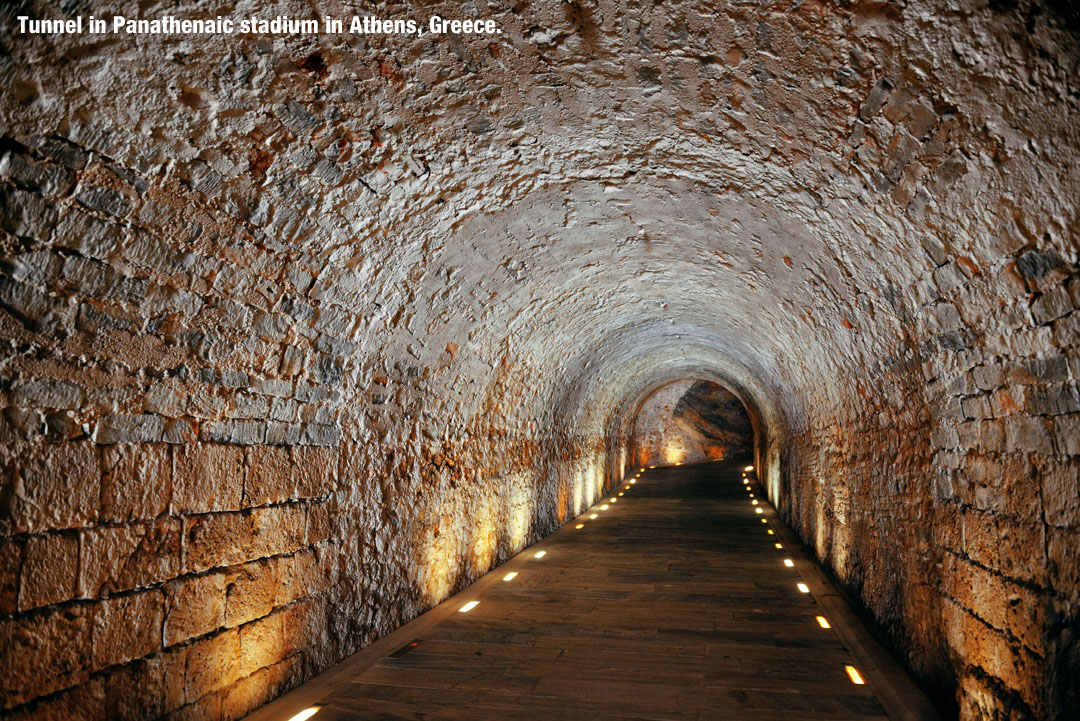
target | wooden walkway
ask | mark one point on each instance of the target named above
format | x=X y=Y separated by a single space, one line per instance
x=674 y=603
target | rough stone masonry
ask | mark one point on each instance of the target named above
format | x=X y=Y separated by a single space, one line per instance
x=301 y=334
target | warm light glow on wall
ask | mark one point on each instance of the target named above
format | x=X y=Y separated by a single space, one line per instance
x=306 y=713
x=854 y=675
x=823 y=622
x=674 y=455
x=468 y=606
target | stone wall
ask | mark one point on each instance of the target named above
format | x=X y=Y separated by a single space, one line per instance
x=302 y=334
x=690 y=422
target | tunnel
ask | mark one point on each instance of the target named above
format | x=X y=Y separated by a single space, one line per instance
x=306 y=333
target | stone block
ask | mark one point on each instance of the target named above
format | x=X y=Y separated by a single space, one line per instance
x=207 y=477
x=320 y=434
x=180 y=430
x=44 y=653
x=1024 y=434
x=125 y=557
x=284 y=409
x=137 y=483
x=129 y=428
x=33 y=308
x=24 y=213
x=213 y=663
x=248 y=406
x=50 y=570
x=1067 y=434
x=239 y=432
x=255 y=588
x=127 y=627
x=216 y=539
x=316 y=470
x=194 y=606
x=163 y=400
x=47 y=393
x=1061 y=492
x=88 y=235
x=283 y=434
x=272 y=387
x=56 y=486
x=319 y=523
x=39 y=178
x=270 y=476
x=277 y=529
x=104 y=200
x=263 y=643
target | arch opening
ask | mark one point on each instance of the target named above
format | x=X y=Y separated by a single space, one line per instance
x=690 y=421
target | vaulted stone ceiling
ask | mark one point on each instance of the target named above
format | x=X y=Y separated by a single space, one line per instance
x=378 y=309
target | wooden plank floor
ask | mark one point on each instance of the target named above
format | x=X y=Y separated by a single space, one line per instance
x=673 y=604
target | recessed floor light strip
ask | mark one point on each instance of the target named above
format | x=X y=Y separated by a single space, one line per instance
x=854 y=675
x=468 y=606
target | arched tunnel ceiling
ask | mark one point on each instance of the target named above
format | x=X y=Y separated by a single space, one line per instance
x=724 y=167
x=460 y=262
x=602 y=146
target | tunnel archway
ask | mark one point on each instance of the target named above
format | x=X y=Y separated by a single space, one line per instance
x=690 y=421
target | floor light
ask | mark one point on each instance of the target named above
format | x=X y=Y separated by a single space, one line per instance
x=306 y=713
x=804 y=588
x=510 y=576
x=823 y=622
x=468 y=606
x=854 y=675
